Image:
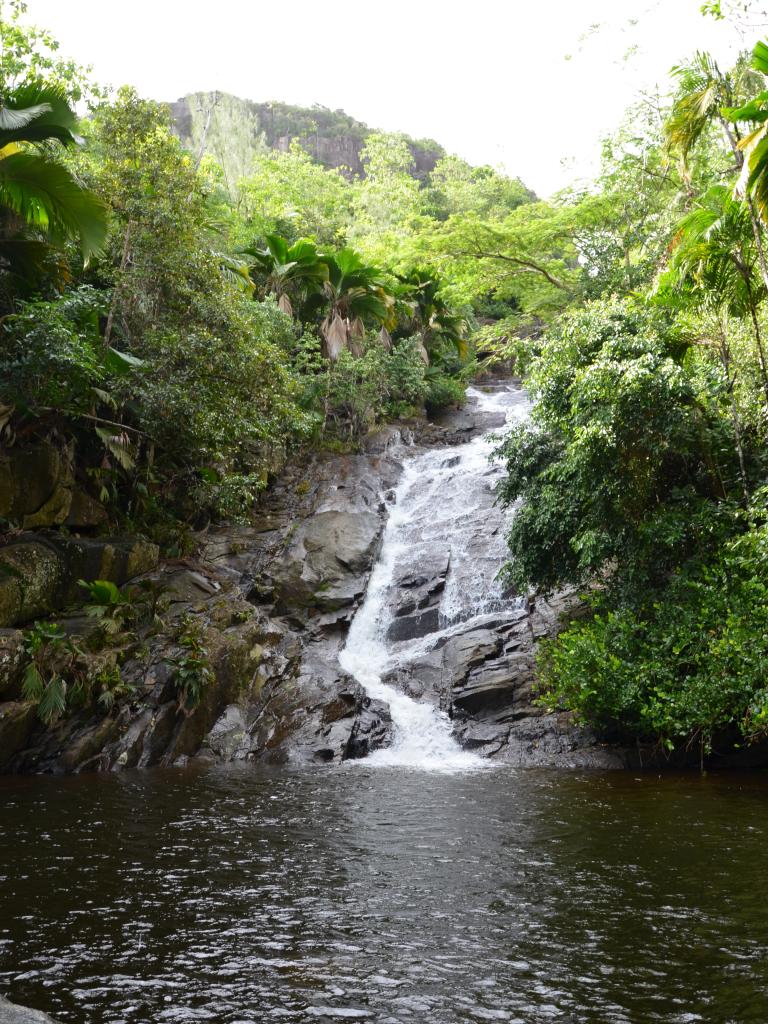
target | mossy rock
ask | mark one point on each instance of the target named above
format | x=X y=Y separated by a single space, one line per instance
x=39 y=573
x=36 y=485
x=17 y=720
x=11 y=663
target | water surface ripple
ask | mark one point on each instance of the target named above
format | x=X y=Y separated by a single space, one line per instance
x=386 y=895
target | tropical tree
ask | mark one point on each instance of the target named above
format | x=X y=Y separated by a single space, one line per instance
x=285 y=270
x=354 y=294
x=753 y=148
x=714 y=259
x=529 y=257
x=291 y=195
x=42 y=204
x=428 y=316
x=707 y=96
x=714 y=266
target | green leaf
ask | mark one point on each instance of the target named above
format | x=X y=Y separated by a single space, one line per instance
x=33 y=684
x=47 y=197
x=53 y=701
x=103 y=592
x=121 y=363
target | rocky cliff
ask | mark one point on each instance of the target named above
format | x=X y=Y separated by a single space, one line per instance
x=234 y=130
x=270 y=604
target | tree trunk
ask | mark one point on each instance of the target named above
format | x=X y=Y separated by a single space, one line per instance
x=123 y=264
x=758 y=336
x=725 y=361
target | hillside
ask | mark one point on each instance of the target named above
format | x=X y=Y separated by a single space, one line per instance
x=233 y=130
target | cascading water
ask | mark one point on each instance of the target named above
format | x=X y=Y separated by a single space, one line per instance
x=444 y=502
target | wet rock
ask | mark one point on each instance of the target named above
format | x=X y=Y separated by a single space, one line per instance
x=410 y=627
x=17 y=719
x=418 y=594
x=228 y=737
x=554 y=741
x=12 y=1013
x=327 y=561
x=372 y=729
x=87 y=744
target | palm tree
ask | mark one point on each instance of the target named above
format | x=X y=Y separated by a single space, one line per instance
x=41 y=202
x=713 y=259
x=706 y=96
x=713 y=263
x=429 y=317
x=753 y=149
x=284 y=270
x=354 y=293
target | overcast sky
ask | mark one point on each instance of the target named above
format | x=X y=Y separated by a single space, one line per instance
x=528 y=85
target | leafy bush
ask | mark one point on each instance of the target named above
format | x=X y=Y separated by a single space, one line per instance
x=687 y=665
x=54 y=359
x=628 y=465
x=191 y=667
x=443 y=391
x=60 y=675
x=405 y=384
x=353 y=393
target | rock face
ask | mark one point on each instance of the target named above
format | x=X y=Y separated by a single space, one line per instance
x=325 y=566
x=416 y=611
x=484 y=676
x=11 y=1013
x=235 y=130
x=37 y=489
x=39 y=573
x=270 y=604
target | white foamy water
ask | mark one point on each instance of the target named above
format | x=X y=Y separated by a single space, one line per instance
x=443 y=503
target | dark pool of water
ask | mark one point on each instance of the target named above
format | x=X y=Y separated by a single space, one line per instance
x=387 y=896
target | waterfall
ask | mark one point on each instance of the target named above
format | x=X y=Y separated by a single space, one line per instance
x=444 y=507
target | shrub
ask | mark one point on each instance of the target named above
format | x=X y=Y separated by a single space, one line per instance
x=686 y=665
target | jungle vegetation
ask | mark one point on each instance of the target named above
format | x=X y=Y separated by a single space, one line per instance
x=642 y=474
x=182 y=332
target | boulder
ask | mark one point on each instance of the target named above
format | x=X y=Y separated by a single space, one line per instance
x=33 y=581
x=418 y=594
x=229 y=734
x=17 y=719
x=11 y=663
x=372 y=729
x=326 y=563
x=85 y=511
x=36 y=485
x=12 y=1013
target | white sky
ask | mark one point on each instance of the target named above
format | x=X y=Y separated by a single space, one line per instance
x=528 y=85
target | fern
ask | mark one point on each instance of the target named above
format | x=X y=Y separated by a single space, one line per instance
x=33 y=684
x=53 y=700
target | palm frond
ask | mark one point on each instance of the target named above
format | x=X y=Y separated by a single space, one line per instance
x=47 y=197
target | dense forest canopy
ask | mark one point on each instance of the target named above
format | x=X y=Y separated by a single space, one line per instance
x=183 y=325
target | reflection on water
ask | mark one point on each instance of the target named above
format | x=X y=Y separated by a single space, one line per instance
x=385 y=895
